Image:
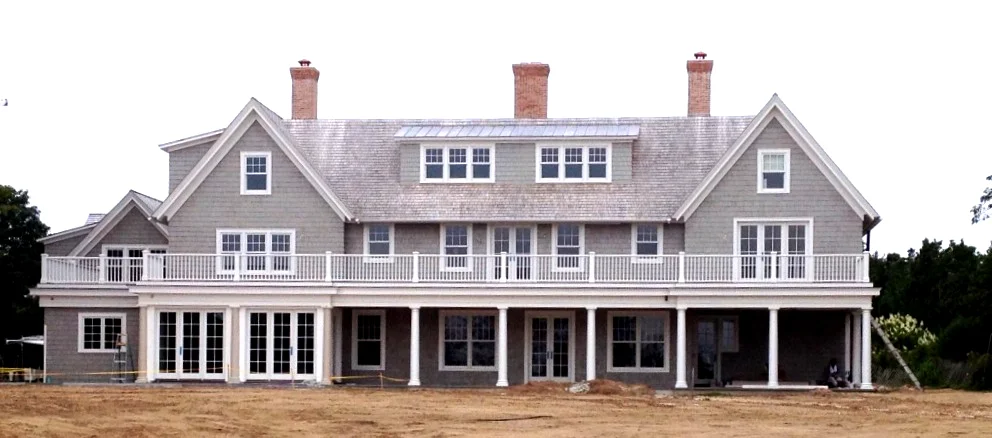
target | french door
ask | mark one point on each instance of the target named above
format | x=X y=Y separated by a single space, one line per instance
x=191 y=345
x=549 y=346
x=282 y=345
x=776 y=251
x=518 y=244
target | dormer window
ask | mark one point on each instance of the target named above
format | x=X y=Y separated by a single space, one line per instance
x=456 y=163
x=773 y=171
x=256 y=173
x=573 y=163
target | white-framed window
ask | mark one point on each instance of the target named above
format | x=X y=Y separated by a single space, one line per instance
x=101 y=332
x=256 y=173
x=379 y=240
x=574 y=163
x=638 y=341
x=773 y=170
x=125 y=263
x=467 y=341
x=568 y=247
x=260 y=251
x=456 y=163
x=646 y=241
x=456 y=246
x=368 y=340
x=772 y=248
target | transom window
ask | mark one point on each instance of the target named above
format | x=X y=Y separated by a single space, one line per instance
x=256 y=173
x=378 y=242
x=456 y=163
x=468 y=341
x=773 y=171
x=638 y=341
x=646 y=240
x=569 y=239
x=262 y=251
x=456 y=245
x=573 y=163
x=773 y=250
x=100 y=333
x=368 y=347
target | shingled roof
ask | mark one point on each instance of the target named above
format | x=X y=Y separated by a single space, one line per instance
x=360 y=160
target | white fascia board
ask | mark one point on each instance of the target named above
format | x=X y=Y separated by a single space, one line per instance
x=72 y=232
x=188 y=142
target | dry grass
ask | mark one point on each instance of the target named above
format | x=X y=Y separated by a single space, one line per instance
x=538 y=410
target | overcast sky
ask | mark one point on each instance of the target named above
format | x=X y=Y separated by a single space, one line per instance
x=898 y=95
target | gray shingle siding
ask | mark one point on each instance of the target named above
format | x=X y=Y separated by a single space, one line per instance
x=622 y=162
x=673 y=240
x=63 y=247
x=608 y=239
x=63 y=345
x=515 y=163
x=836 y=227
x=181 y=162
x=218 y=203
x=133 y=229
x=410 y=163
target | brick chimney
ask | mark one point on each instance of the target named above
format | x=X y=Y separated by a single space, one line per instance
x=530 y=94
x=699 y=85
x=304 y=90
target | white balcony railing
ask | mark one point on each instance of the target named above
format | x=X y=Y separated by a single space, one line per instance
x=434 y=268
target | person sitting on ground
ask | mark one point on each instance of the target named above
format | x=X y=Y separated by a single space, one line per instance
x=833 y=376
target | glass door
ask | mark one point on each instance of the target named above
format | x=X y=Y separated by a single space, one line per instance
x=707 y=356
x=518 y=244
x=191 y=345
x=550 y=348
x=772 y=252
x=281 y=345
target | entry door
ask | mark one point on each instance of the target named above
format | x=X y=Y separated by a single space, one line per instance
x=707 y=353
x=549 y=347
x=281 y=345
x=191 y=345
x=518 y=244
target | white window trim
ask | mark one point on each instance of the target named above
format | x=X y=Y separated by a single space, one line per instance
x=561 y=162
x=788 y=169
x=582 y=249
x=469 y=263
x=268 y=173
x=641 y=258
x=491 y=231
x=105 y=248
x=440 y=340
x=268 y=249
x=638 y=369
x=102 y=316
x=761 y=222
x=369 y=258
x=354 y=340
x=469 y=178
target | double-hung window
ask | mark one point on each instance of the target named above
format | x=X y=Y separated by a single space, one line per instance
x=100 y=333
x=773 y=171
x=368 y=346
x=646 y=241
x=456 y=245
x=378 y=243
x=638 y=342
x=257 y=251
x=468 y=341
x=573 y=163
x=459 y=163
x=568 y=248
x=773 y=249
x=256 y=173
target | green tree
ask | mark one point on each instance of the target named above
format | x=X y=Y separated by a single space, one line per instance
x=981 y=211
x=20 y=269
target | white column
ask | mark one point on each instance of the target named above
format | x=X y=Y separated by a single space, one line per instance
x=866 y=349
x=590 y=343
x=501 y=379
x=772 y=347
x=338 y=342
x=329 y=346
x=242 y=344
x=847 y=343
x=414 y=346
x=318 y=343
x=680 y=350
x=150 y=343
x=856 y=349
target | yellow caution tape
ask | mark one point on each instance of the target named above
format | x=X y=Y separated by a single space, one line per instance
x=106 y=373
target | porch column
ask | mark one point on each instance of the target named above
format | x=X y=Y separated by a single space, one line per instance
x=328 y=365
x=338 y=320
x=772 y=347
x=149 y=343
x=242 y=344
x=866 y=349
x=501 y=379
x=856 y=349
x=847 y=343
x=590 y=343
x=144 y=342
x=232 y=320
x=680 y=350
x=414 y=346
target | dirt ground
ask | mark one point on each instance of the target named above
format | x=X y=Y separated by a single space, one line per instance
x=107 y=411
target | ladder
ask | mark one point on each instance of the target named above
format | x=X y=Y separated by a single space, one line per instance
x=895 y=352
x=121 y=363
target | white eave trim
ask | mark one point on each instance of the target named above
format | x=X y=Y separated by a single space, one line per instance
x=188 y=142
x=72 y=232
x=775 y=109
x=252 y=112
x=111 y=220
x=418 y=140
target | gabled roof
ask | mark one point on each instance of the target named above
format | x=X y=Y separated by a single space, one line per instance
x=775 y=109
x=100 y=229
x=67 y=234
x=253 y=112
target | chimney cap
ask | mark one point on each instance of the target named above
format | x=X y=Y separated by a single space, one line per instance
x=304 y=63
x=700 y=55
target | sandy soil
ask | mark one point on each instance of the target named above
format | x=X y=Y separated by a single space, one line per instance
x=253 y=411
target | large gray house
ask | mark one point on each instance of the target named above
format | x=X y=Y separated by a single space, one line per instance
x=672 y=251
